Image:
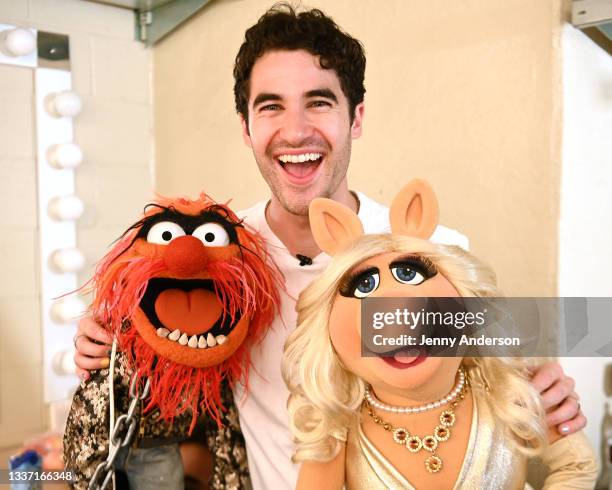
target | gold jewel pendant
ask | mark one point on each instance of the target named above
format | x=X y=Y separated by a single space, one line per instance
x=414 y=444
x=400 y=435
x=441 y=433
x=447 y=418
x=430 y=442
x=433 y=464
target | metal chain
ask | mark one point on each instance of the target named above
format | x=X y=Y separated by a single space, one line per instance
x=122 y=435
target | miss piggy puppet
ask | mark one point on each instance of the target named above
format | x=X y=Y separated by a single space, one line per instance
x=408 y=420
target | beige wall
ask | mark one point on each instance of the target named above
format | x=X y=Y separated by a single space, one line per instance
x=465 y=94
x=20 y=333
x=111 y=74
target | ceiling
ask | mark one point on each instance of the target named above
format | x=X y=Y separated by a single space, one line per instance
x=157 y=18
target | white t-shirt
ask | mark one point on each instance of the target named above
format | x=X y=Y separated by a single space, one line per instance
x=263 y=411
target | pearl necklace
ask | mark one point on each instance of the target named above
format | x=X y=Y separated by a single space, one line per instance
x=374 y=402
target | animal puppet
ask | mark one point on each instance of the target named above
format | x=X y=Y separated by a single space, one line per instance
x=407 y=419
x=186 y=292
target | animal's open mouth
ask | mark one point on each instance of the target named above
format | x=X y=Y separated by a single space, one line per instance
x=187 y=312
x=407 y=357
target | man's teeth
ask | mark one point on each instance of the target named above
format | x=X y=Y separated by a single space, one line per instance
x=304 y=157
x=195 y=342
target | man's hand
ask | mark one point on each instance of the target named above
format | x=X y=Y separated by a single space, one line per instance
x=93 y=345
x=559 y=398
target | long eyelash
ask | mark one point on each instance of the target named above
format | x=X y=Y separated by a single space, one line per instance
x=417 y=262
x=349 y=282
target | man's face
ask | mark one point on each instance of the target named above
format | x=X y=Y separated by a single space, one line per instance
x=299 y=128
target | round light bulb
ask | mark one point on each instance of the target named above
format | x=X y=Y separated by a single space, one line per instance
x=67 y=260
x=18 y=42
x=63 y=363
x=65 y=208
x=67 y=310
x=64 y=155
x=63 y=104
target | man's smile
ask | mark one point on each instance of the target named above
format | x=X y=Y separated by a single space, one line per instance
x=300 y=168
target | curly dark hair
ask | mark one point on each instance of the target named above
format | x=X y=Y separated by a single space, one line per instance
x=282 y=28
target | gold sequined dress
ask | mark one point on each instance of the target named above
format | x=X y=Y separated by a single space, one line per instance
x=490 y=462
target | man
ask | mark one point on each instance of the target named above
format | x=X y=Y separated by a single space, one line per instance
x=299 y=94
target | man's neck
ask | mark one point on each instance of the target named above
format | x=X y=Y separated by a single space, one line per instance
x=293 y=230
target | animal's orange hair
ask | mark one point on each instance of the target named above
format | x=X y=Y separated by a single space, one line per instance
x=245 y=285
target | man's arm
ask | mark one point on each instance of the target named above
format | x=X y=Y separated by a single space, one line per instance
x=92 y=344
x=86 y=434
x=556 y=388
x=559 y=398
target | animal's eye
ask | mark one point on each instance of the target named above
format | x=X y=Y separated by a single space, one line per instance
x=366 y=285
x=164 y=232
x=212 y=235
x=407 y=275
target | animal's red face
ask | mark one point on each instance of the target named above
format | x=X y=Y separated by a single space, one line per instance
x=180 y=315
x=197 y=291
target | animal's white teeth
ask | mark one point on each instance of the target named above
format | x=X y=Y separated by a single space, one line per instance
x=201 y=342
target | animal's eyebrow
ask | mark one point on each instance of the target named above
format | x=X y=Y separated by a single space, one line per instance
x=165 y=213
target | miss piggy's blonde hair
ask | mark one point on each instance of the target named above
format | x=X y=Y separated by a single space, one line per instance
x=325 y=397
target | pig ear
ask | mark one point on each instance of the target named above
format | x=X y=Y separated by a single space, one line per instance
x=414 y=211
x=333 y=225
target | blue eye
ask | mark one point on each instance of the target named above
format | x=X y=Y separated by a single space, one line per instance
x=367 y=285
x=406 y=275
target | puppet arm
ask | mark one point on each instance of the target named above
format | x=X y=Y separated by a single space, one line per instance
x=327 y=475
x=571 y=463
x=86 y=435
